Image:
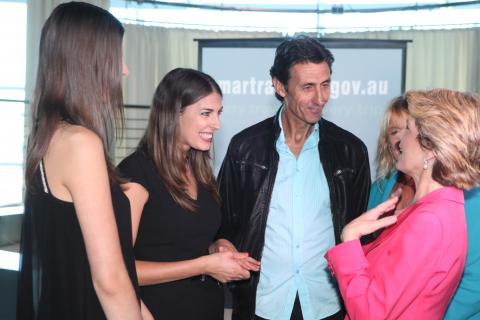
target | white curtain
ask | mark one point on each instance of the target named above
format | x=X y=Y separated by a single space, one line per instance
x=153 y=51
x=436 y=58
x=150 y=52
x=439 y=58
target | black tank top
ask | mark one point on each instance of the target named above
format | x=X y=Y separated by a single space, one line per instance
x=54 y=279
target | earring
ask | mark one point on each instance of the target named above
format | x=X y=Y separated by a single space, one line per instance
x=425 y=164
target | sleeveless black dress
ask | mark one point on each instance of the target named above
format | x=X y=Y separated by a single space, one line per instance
x=169 y=233
x=54 y=279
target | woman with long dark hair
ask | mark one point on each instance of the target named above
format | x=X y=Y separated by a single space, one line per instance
x=76 y=253
x=175 y=203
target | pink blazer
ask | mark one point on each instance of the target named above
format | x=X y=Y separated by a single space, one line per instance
x=412 y=269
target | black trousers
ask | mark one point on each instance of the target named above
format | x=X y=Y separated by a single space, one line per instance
x=297 y=313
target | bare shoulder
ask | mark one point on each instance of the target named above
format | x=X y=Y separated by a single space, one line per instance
x=80 y=140
x=73 y=144
x=74 y=153
x=76 y=147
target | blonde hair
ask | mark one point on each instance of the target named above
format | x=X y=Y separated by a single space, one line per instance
x=385 y=160
x=448 y=124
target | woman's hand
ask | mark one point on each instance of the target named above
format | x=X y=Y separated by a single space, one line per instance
x=369 y=221
x=224 y=263
x=249 y=263
x=223 y=245
x=229 y=266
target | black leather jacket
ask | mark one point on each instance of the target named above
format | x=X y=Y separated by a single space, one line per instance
x=246 y=181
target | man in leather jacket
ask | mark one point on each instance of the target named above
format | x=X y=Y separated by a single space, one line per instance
x=288 y=186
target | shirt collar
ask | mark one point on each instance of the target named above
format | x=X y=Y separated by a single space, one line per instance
x=312 y=139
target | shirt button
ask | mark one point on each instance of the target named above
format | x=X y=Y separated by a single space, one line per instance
x=297 y=246
x=297 y=272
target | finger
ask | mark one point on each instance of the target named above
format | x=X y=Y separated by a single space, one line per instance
x=225 y=248
x=383 y=207
x=253 y=261
x=249 y=266
x=226 y=244
x=397 y=193
x=240 y=255
x=246 y=274
x=250 y=260
x=240 y=274
x=380 y=224
x=253 y=267
x=220 y=247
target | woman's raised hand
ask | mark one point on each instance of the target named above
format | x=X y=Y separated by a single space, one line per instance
x=370 y=221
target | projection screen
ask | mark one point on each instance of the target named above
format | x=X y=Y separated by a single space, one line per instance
x=367 y=74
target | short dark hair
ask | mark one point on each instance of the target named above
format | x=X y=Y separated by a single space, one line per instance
x=295 y=50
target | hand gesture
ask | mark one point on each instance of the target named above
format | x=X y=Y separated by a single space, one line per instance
x=370 y=221
x=247 y=262
x=222 y=245
x=225 y=266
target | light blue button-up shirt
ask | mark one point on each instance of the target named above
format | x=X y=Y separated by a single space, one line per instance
x=299 y=231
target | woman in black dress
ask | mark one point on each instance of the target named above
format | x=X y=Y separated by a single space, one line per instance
x=175 y=204
x=76 y=253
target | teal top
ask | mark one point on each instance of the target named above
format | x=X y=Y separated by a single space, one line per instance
x=465 y=304
x=381 y=189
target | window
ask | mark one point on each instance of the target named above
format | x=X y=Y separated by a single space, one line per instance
x=13 y=25
x=356 y=16
x=13 y=16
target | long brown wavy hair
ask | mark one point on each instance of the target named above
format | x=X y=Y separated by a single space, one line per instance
x=179 y=89
x=78 y=79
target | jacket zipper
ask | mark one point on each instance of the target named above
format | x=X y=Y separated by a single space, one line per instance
x=261 y=166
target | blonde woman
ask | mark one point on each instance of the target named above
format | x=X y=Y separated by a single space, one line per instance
x=412 y=269
x=389 y=180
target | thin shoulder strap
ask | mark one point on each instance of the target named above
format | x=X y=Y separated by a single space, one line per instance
x=44 y=178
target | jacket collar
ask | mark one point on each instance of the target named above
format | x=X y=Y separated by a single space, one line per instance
x=443 y=193
x=276 y=126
